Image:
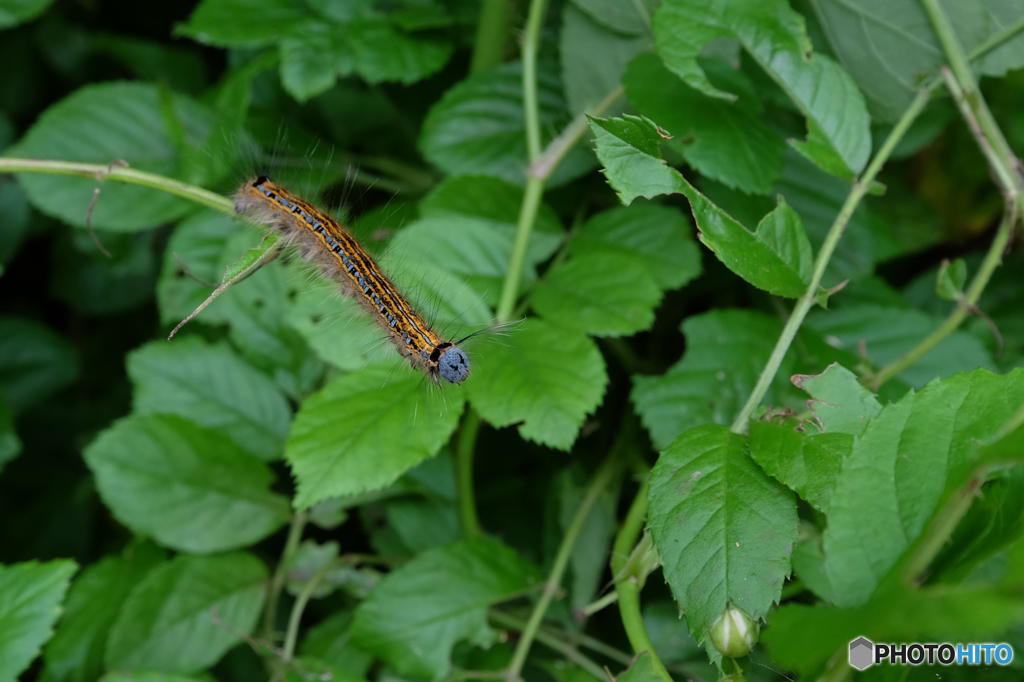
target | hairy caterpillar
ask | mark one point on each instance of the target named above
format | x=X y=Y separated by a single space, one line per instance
x=340 y=257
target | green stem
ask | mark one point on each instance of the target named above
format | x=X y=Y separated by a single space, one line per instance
x=531 y=44
x=491 y=32
x=804 y=303
x=940 y=531
x=544 y=165
x=464 y=475
x=541 y=169
x=964 y=307
x=997 y=39
x=958 y=62
x=292 y=636
x=595 y=606
x=101 y=173
x=527 y=217
x=1003 y=172
x=602 y=478
x=291 y=545
x=628 y=588
x=549 y=640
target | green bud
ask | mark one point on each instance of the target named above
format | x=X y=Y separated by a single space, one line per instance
x=734 y=633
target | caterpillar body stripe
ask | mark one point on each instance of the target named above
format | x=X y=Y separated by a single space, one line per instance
x=340 y=257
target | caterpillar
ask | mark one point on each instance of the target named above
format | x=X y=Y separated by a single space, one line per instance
x=327 y=244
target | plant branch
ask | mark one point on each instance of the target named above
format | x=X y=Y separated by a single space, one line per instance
x=541 y=168
x=464 y=475
x=1010 y=183
x=997 y=39
x=102 y=172
x=291 y=545
x=810 y=297
x=549 y=640
x=628 y=587
x=544 y=165
x=491 y=32
x=958 y=62
x=602 y=478
x=965 y=306
x=292 y=636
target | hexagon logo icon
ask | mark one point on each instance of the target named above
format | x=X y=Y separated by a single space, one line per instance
x=862 y=653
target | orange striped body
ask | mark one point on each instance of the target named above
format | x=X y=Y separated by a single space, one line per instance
x=340 y=257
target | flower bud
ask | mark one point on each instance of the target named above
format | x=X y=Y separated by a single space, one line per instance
x=734 y=633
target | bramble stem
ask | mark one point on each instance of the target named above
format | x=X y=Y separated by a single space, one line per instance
x=292 y=636
x=810 y=297
x=103 y=172
x=291 y=545
x=464 y=475
x=626 y=586
x=549 y=640
x=491 y=32
x=958 y=62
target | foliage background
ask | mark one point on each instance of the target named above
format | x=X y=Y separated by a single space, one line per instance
x=165 y=470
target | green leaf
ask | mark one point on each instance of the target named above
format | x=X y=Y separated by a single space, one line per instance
x=187 y=613
x=775 y=36
x=594 y=58
x=314 y=56
x=213 y=387
x=641 y=670
x=1010 y=55
x=10 y=444
x=382 y=53
x=809 y=564
x=99 y=124
x=658 y=236
x=476 y=128
x=723 y=529
x=415 y=616
x=725 y=353
x=776 y=258
x=628 y=149
x=313 y=59
x=244 y=23
x=807 y=464
x=951 y=279
x=631 y=18
x=889 y=47
x=602 y=294
x=14 y=12
x=34 y=362
x=840 y=404
x=331 y=642
x=30 y=603
x=889 y=485
x=888 y=333
x=365 y=429
x=539 y=375
x=726 y=141
x=75 y=654
x=190 y=488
